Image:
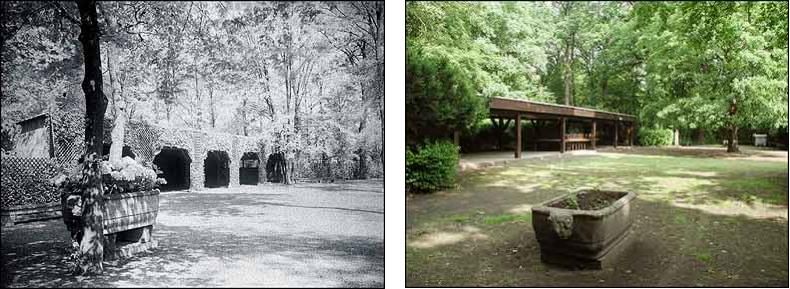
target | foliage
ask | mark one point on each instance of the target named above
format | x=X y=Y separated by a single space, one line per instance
x=25 y=181
x=461 y=54
x=8 y=135
x=655 y=136
x=126 y=175
x=680 y=65
x=432 y=167
x=439 y=94
x=276 y=70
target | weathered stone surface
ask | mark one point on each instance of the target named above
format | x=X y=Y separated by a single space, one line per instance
x=130 y=210
x=593 y=239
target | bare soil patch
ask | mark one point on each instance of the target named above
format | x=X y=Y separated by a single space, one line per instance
x=588 y=200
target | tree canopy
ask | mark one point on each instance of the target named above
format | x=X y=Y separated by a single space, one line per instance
x=679 y=65
x=308 y=76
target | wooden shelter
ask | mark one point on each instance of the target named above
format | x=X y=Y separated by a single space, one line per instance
x=617 y=127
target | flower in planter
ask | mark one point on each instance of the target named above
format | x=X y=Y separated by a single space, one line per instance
x=117 y=177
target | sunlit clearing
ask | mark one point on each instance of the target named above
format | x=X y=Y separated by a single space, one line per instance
x=435 y=239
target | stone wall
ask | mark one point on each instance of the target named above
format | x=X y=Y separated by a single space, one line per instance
x=147 y=141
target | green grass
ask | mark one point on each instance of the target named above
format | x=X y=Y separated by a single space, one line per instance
x=680 y=219
x=689 y=209
x=703 y=256
x=506 y=218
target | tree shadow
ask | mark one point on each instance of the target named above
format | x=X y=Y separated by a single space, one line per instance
x=709 y=152
x=669 y=246
x=189 y=257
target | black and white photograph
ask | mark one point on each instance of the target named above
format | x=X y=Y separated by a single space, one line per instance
x=192 y=144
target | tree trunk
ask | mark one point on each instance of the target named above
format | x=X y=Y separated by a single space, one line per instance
x=700 y=139
x=92 y=243
x=112 y=84
x=212 y=109
x=566 y=73
x=116 y=148
x=732 y=139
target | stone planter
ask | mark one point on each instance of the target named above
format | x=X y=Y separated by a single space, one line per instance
x=584 y=239
x=128 y=220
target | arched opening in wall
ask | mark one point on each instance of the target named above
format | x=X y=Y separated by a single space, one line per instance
x=105 y=149
x=217 y=169
x=173 y=164
x=127 y=152
x=248 y=172
x=275 y=168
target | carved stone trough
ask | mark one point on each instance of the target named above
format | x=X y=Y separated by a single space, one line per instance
x=583 y=239
x=128 y=220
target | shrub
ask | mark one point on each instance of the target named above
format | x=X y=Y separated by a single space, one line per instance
x=431 y=168
x=655 y=136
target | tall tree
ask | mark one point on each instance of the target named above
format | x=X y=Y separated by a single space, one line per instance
x=92 y=244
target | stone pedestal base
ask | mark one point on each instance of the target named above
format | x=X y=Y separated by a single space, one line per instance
x=130 y=249
x=124 y=244
x=604 y=261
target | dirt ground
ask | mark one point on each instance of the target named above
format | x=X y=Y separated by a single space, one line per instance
x=699 y=221
x=304 y=235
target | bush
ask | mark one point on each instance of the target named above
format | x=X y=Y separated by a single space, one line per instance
x=655 y=136
x=431 y=168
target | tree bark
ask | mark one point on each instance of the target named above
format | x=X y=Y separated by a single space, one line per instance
x=732 y=140
x=118 y=130
x=566 y=73
x=92 y=243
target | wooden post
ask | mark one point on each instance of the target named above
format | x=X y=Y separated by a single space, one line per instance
x=457 y=138
x=630 y=134
x=594 y=135
x=562 y=135
x=518 y=136
x=616 y=126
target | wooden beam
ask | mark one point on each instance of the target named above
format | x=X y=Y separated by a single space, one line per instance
x=616 y=125
x=518 y=136
x=562 y=135
x=524 y=106
x=594 y=135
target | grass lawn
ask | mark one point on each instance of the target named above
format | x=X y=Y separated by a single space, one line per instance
x=699 y=221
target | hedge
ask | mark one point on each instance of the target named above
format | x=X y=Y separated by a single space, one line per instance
x=655 y=136
x=431 y=168
x=26 y=181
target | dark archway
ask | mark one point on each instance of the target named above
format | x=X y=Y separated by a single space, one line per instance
x=127 y=152
x=248 y=172
x=173 y=164
x=217 y=169
x=275 y=168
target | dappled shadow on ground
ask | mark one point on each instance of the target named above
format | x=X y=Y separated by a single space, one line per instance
x=704 y=152
x=187 y=257
x=257 y=237
x=729 y=187
x=669 y=246
x=694 y=224
x=367 y=186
